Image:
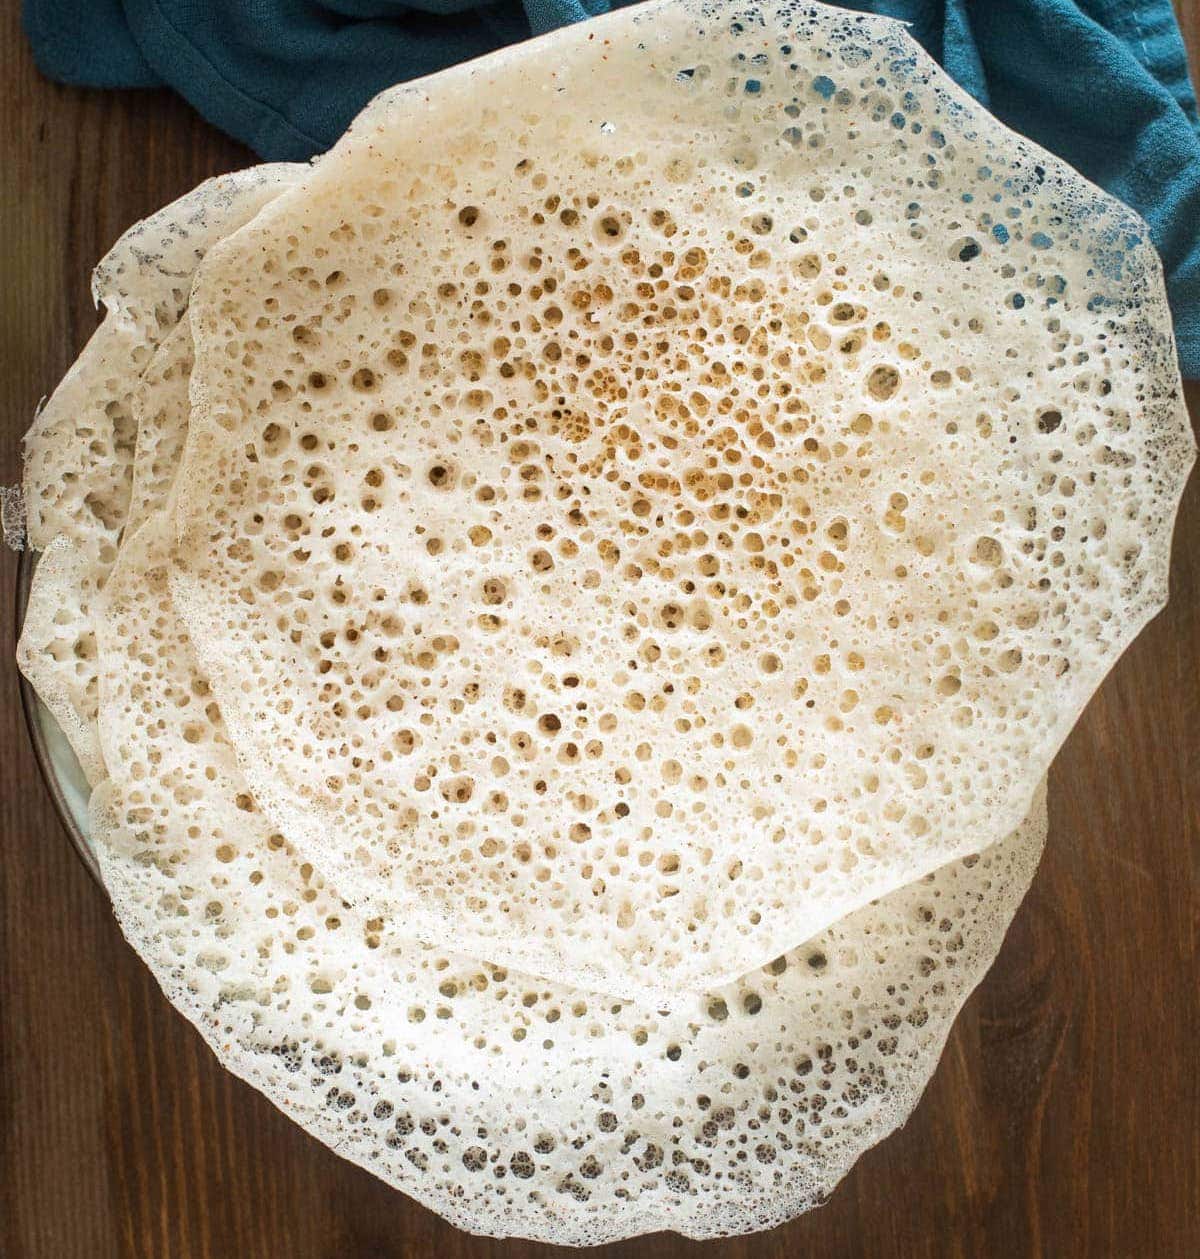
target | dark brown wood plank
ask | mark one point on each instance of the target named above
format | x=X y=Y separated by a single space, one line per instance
x=1064 y=1119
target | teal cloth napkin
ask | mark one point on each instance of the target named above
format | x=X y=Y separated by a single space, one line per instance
x=1103 y=83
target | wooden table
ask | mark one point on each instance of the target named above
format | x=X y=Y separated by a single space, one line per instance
x=1063 y=1120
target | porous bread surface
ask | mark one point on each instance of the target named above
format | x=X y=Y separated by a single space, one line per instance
x=160 y=408
x=510 y=1104
x=79 y=451
x=57 y=648
x=626 y=538
x=80 y=459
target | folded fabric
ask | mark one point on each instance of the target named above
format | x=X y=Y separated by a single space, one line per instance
x=1103 y=83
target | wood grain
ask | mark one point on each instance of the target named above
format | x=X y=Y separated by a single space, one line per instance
x=1064 y=1119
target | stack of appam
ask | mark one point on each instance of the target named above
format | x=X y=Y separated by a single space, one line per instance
x=566 y=603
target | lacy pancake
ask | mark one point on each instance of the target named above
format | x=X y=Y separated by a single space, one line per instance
x=568 y=602
x=626 y=538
